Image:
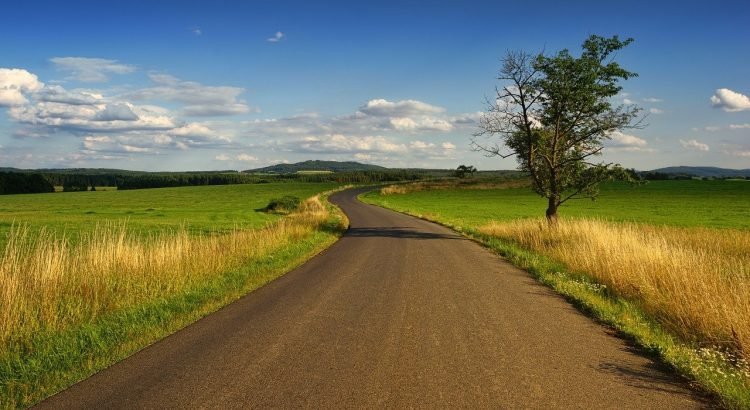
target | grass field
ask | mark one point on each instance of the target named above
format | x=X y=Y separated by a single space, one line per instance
x=666 y=262
x=70 y=308
x=146 y=211
x=716 y=204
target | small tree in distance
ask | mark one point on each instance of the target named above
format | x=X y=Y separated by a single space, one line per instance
x=462 y=170
x=554 y=113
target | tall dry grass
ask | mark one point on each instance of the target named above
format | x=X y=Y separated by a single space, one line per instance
x=696 y=281
x=47 y=283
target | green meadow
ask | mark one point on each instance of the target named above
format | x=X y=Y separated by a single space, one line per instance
x=688 y=203
x=145 y=211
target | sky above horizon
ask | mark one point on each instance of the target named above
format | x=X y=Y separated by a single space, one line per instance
x=188 y=85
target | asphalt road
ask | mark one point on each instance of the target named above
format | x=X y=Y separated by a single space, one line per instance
x=399 y=313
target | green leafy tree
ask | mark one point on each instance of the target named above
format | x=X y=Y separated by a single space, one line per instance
x=554 y=113
x=463 y=170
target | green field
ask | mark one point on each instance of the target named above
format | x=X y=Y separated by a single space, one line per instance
x=717 y=204
x=200 y=208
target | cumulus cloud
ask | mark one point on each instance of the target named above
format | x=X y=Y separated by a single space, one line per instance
x=738 y=153
x=376 y=117
x=102 y=117
x=739 y=126
x=91 y=69
x=199 y=99
x=694 y=145
x=246 y=158
x=276 y=37
x=57 y=94
x=370 y=148
x=655 y=111
x=239 y=157
x=117 y=125
x=420 y=124
x=14 y=83
x=621 y=142
x=337 y=143
x=112 y=145
x=730 y=101
x=404 y=108
x=469 y=119
x=652 y=100
x=116 y=112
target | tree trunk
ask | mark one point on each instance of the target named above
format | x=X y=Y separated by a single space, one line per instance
x=552 y=211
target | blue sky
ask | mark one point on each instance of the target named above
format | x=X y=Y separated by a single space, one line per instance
x=235 y=85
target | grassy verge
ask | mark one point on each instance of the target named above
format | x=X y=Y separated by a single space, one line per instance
x=61 y=326
x=694 y=319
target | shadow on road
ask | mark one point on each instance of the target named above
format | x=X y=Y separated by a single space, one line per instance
x=397 y=232
x=654 y=376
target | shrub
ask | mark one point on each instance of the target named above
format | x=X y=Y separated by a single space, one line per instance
x=283 y=205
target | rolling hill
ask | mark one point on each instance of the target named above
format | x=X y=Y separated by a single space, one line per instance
x=316 y=165
x=714 y=172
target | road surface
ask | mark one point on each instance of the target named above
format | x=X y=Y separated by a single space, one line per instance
x=399 y=313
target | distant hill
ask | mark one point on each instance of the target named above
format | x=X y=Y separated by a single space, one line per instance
x=334 y=166
x=714 y=172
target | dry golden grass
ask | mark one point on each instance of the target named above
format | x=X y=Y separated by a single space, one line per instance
x=696 y=281
x=48 y=284
x=453 y=184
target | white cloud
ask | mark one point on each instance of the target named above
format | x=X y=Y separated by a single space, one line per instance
x=111 y=145
x=655 y=111
x=340 y=143
x=420 y=124
x=246 y=158
x=363 y=157
x=628 y=101
x=694 y=145
x=91 y=69
x=199 y=99
x=193 y=130
x=404 y=108
x=730 y=101
x=622 y=139
x=470 y=119
x=56 y=93
x=276 y=37
x=116 y=112
x=376 y=117
x=739 y=126
x=734 y=149
x=240 y=157
x=14 y=83
x=97 y=117
x=621 y=142
x=652 y=100
x=197 y=31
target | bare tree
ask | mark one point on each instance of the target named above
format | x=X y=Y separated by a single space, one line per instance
x=553 y=114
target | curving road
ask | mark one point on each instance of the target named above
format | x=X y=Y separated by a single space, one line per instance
x=399 y=313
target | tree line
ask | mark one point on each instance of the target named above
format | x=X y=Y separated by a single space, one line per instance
x=18 y=183
x=38 y=182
